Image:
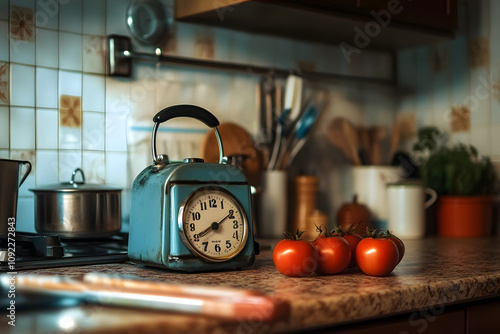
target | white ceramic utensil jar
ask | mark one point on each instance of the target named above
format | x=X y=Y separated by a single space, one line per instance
x=406 y=208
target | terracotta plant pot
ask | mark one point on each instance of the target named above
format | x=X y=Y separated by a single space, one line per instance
x=464 y=216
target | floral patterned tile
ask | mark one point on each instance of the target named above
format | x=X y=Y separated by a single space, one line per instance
x=479 y=52
x=22 y=24
x=4 y=83
x=460 y=118
x=70 y=111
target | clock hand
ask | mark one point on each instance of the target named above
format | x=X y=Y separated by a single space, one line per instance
x=213 y=227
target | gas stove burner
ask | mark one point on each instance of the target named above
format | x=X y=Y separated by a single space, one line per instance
x=35 y=251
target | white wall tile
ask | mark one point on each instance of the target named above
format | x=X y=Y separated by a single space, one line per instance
x=94 y=167
x=70 y=52
x=4 y=154
x=70 y=138
x=70 y=83
x=22 y=85
x=93 y=92
x=4 y=40
x=69 y=160
x=22 y=128
x=223 y=39
x=240 y=49
x=46 y=169
x=47 y=14
x=70 y=17
x=94 y=17
x=93 y=131
x=47 y=129
x=117 y=95
x=283 y=53
x=22 y=52
x=4 y=10
x=495 y=137
x=115 y=17
x=116 y=132
x=186 y=37
x=93 y=54
x=4 y=127
x=116 y=170
x=480 y=137
x=47 y=48
x=46 y=87
x=25 y=219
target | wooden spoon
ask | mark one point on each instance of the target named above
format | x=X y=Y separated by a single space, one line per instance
x=337 y=138
x=377 y=134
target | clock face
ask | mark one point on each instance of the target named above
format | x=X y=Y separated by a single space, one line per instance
x=214 y=224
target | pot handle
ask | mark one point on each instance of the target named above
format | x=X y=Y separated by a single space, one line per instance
x=27 y=172
x=74 y=174
x=184 y=110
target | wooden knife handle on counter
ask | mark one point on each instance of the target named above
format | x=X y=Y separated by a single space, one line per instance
x=225 y=303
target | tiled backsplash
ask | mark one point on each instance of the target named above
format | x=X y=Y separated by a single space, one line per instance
x=60 y=111
x=456 y=84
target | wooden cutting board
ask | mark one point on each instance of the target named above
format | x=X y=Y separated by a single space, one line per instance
x=235 y=141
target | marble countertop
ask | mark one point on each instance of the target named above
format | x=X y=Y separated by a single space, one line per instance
x=434 y=273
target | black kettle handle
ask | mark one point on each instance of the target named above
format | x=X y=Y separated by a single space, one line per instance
x=185 y=110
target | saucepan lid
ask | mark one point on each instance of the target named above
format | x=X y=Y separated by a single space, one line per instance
x=75 y=186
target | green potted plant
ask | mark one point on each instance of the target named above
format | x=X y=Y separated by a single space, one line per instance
x=464 y=181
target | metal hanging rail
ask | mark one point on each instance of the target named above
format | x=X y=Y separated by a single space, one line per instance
x=121 y=56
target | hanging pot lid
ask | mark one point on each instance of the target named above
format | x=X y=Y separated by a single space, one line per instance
x=75 y=186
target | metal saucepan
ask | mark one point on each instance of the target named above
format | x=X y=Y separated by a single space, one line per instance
x=77 y=210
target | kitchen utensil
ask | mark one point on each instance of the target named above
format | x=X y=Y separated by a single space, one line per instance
x=76 y=209
x=354 y=213
x=236 y=142
x=226 y=303
x=404 y=128
x=406 y=203
x=286 y=120
x=337 y=136
x=191 y=216
x=377 y=135
x=364 y=145
x=370 y=184
x=10 y=181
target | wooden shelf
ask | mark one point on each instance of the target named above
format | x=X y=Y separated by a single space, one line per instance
x=333 y=21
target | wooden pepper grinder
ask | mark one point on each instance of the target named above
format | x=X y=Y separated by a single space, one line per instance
x=306 y=187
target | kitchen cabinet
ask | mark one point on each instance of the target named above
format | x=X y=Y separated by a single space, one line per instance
x=388 y=24
x=482 y=318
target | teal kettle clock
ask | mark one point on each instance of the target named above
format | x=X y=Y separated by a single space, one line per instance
x=191 y=215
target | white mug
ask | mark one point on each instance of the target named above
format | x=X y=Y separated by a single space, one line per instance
x=370 y=184
x=406 y=203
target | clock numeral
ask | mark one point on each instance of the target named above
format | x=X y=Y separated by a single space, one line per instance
x=203 y=205
x=222 y=204
x=235 y=224
x=228 y=244
x=205 y=244
x=213 y=203
x=196 y=238
x=191 y=227
x=217 y=248
x=231 y=214
x=235 y=235
x=196 y=216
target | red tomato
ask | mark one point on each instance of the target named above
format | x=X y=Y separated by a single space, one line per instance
x=377 y=257
x=295 y=257
x=353 y=240
x=334 y=255
x=400 y=245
